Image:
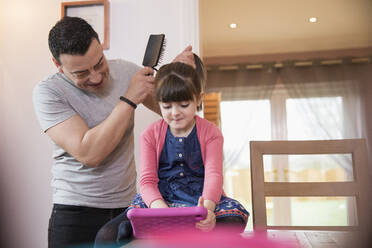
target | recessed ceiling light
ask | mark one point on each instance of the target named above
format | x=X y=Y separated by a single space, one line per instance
x=233 y=25
x=313 y=19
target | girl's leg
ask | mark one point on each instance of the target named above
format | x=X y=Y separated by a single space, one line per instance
x=118 y=231
x=114 y=233
x=235 y=223
x=230 y=213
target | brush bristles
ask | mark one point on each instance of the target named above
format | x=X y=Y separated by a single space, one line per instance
x=162 y=51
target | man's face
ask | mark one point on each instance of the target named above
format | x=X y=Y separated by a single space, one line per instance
x=89 y=71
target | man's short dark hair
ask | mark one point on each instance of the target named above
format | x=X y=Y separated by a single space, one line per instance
x=71 y=35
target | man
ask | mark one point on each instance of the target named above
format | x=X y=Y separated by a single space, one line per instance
x=87 y=109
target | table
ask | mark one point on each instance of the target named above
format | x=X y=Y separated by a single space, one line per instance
x=322 y=239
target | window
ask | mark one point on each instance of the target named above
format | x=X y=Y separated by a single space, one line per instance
x=285 y=117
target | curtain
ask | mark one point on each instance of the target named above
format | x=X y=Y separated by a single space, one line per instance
x=324 y=96
x=351 y=82
x=315 y=82
x=240 y=85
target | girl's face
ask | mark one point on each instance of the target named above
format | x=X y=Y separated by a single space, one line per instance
x=179 y=116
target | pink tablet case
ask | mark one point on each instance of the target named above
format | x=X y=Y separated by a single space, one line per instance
x=221 y=237
x=149 y=222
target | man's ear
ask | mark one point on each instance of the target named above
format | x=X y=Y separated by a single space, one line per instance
x=57 y=64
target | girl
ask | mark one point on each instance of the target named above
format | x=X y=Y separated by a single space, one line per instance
x=181 y=155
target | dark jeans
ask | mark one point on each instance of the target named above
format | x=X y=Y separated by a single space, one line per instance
x=76 y=226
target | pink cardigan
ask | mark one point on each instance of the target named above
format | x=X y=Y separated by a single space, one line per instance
x=211 y=144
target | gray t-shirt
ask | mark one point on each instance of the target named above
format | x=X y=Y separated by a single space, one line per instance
x=113 y=183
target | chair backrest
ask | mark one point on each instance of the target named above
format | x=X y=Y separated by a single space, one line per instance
x=211 y=108
x=357 y=188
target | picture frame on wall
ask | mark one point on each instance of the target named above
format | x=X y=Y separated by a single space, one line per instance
x=95 y=12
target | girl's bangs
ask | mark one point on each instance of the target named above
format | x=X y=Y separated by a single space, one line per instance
x=174 y=89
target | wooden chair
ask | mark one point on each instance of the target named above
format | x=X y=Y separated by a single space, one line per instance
x=212 y=107
x=357 y=188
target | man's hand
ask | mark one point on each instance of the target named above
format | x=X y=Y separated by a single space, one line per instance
x=141 y=85
x=186 y=56
x=210 y=221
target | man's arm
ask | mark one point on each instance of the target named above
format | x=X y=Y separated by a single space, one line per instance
x=92 y=146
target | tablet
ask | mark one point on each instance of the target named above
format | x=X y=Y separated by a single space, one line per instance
x=149 y=222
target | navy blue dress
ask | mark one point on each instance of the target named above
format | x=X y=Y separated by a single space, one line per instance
x=181 y=177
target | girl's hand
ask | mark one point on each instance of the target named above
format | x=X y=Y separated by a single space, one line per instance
x=159 y=203
x=209 y=222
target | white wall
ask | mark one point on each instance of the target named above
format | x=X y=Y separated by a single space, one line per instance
x=25 y=153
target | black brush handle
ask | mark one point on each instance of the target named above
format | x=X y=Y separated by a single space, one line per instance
x=154 y=50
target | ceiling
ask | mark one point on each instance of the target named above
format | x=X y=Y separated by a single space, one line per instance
x=282 y=26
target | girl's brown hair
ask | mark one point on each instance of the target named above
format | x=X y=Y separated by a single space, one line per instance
x=177 y=82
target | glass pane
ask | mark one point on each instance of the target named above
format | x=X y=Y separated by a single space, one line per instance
x=315 y=118
x=308 y=168
x=251 y=123
x=311 y=211
x=237 y=185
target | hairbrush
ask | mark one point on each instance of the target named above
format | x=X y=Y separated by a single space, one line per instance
x=154 y=50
